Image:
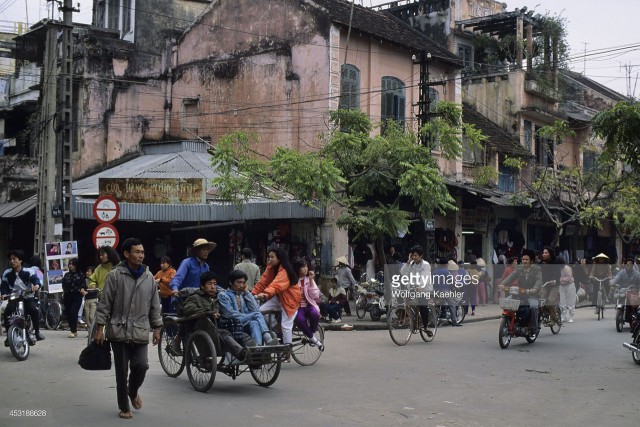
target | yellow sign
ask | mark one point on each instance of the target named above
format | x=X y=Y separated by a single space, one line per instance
x=154 y=190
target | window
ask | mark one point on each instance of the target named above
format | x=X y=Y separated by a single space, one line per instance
x=507 y=178
x=349 y=87
x=115 y=15
x=472 y=155
x=126 y=16
x=589 y=161
x=434 y=97
x=544 y=151
x=464 y=52
x=191 y=117
x=393 y=101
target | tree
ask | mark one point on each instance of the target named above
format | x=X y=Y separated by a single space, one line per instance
x=373 y=178
x=620 y=129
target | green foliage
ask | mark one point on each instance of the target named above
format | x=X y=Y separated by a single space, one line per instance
x=620 y=128
x=370 y=177
x=514 y=162
x=485 y=176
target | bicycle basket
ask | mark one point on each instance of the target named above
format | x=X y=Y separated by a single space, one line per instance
x=509 y=304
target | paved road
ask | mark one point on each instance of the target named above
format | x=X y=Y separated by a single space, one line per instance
x=582 y=376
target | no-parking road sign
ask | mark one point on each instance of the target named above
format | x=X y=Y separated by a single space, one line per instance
x=105 y=235
x=106 y=209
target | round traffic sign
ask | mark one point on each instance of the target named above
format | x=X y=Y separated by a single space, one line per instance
x=105 y=235
x=106 y=209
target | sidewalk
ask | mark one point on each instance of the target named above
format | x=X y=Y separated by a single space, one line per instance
x=487 y=312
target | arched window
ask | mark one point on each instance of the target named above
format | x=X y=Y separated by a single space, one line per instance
x=393 y=101
x=349 y=87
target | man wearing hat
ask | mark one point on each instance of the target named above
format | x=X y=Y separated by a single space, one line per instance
x=346 y=280
x=601 y=270
x=529 y=276
x=190 y=270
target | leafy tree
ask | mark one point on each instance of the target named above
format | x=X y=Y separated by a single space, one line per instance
x=620 y=129
x=376 y=180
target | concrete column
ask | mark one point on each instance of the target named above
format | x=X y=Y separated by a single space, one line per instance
x=519 y=40
x=529 y=46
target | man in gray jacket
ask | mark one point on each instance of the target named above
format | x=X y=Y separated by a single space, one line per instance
x=129 y=307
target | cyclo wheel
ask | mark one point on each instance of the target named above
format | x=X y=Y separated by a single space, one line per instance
x=172 y=363
x=400 y=323
x=200 y=361
x=555 y=328
x=19 y=347
x=53 y=315
x=428 y=332
x=361 y=307
x=619 y=320
x=302 y=350
x=504 y=337
x=267 y=373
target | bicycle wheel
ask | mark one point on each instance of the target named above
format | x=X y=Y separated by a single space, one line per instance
x=53 y=315
x=599 y=307
x=460 y=313
x=619 y=320
x=400 y=323
x=266 y=374
x=428 y=332
x=361 y=309
x=200 y=361
x=172 y=361
x=555 y=328
x=302 y=350
x=504 y=337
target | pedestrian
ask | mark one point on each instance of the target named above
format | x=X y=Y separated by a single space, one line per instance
x=484 y=284
x=129 y=307
x=472 y=288
x=73 y=285
x=90 y=299
x=249 y=267
x=346 y=281
x=163 y=278
x=567 y=291
x=108 y=258
x=279 y=287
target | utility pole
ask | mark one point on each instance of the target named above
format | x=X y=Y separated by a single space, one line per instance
x=424 y=101
x=54 y=218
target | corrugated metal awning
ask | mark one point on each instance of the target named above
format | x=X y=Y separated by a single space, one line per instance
x=16 y=209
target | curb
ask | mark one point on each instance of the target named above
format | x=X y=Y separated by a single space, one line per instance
x=382 y=325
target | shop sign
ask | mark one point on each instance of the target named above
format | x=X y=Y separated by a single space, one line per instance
x=154 y=190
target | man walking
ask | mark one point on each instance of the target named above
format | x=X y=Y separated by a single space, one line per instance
x=250 y=269
x=129 y=307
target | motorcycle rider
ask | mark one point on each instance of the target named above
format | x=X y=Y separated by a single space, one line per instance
x=529 y=277
x=25 y=279
x=627 y=277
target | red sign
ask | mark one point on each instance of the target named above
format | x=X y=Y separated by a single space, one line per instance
x=106 y=209
x=105 y=235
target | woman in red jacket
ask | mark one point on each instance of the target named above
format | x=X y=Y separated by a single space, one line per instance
x=279 y=286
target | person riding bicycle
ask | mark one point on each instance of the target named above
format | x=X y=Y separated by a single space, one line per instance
x=419 y=273
x=205 y=301
x=237 y=303
x=529 y=277
x=24 y=279
x=601 y=270
x=551 y=276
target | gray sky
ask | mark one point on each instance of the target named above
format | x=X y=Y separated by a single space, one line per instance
x=602 y=25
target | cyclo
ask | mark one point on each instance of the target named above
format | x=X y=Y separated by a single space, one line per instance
x=204 y=354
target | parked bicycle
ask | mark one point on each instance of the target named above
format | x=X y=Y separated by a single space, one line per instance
x=50 y=310
x=601 y=297
x=404 y=320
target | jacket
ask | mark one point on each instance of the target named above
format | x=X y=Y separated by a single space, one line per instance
x=129 y=307
x=423 y=272
x=310 y=292
x=164 y=278
x=229 y=306
x=345 y=277
x=251 y=270
x=27 y=276
x=199 y=303
x=96 y=280
x=527 y=279
x=272 y=283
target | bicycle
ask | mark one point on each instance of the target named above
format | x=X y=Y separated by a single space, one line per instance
x=601 y=298
x=544 y=317
x=303 y=351
x=404 y=320
x=50 y=310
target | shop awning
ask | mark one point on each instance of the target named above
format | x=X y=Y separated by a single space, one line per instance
x=16 y=209
x=182 y=160
x=495 y=197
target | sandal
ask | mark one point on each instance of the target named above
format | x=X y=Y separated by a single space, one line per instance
x=136 y=402
x=125 y=415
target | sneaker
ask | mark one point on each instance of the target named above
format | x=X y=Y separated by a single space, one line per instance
x=39 y=336
x=338 y=320
x=72 y=335
x=81 y=322
x=320 y=346
x=570 y=320
x=272 y=341
x=429 y=333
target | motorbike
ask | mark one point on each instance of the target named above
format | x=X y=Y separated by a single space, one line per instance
x=370 y=298
x=515 y=319
x=627 y=301
x=444 y=312
x=634 y=345
x=20 y=335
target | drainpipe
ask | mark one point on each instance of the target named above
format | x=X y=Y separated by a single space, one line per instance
x=169 y=89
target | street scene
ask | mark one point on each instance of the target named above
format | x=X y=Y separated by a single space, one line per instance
x=319 y=212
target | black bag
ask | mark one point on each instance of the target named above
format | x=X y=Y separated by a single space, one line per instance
x=96 y=357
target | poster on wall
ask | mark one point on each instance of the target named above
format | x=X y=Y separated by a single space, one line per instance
x=56 y=262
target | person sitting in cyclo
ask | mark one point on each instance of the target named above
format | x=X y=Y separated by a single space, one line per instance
x=204 y=301
x=237 y=303
x=308 y=316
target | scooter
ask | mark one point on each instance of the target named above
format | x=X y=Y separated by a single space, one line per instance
x=626 y=303
x=515 y=320
x=370 y=299
x=634 y=346
x=20 y=334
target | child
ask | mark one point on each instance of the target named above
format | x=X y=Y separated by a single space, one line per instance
x=308 y=310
